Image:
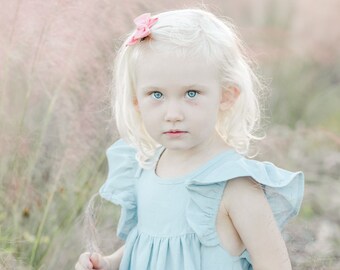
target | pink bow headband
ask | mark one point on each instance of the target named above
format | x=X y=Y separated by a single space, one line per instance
x=143 y=22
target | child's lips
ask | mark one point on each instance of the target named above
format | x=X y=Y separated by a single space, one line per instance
x=175 y=133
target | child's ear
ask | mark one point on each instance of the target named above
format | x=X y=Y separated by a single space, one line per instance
x=228 y=97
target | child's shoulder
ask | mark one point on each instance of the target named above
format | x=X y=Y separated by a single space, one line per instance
x=243 y=193
x=120 y=147
x=122 y=171
x=232 y=165
x=242 y=178
x=119 y=185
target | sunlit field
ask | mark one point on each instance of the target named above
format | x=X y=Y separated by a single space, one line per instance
x=55 y=119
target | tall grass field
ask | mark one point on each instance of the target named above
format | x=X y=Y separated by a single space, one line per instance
x=56 y=62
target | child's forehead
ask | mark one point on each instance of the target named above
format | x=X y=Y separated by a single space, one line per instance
x=170 y=60
x=176 y=54
x=165 y=66
x=164 y=70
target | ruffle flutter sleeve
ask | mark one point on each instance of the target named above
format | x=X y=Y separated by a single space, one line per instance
x=119 y=188
x=283 y=189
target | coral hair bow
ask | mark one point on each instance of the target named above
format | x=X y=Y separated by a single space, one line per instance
x=144 y=22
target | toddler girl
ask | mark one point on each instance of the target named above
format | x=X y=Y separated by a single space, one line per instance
x=186 y=110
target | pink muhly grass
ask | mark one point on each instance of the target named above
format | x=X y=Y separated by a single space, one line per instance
x=90 y=225
x=55 y=61
x=315 y=32
x=56 y=111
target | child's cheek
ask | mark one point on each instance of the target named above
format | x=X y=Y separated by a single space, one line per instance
x=192 y=104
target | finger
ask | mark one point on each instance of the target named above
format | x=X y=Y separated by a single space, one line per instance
x=84 y=260
x=79 y=267
x=97 y=261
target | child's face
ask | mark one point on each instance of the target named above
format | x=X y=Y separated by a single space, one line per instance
x=178 y=98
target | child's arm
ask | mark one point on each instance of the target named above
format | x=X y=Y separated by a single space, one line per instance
x=248 y=208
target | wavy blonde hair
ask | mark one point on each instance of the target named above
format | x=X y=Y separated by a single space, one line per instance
x=194 y=32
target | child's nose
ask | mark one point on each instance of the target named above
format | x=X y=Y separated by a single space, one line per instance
x=173 y=112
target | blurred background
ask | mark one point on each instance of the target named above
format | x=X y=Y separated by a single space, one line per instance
x=55 y=72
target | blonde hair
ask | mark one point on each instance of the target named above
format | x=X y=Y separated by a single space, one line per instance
x=198 y=33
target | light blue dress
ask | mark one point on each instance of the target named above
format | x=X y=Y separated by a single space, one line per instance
x=169 y=224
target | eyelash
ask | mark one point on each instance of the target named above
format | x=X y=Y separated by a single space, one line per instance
x=186 y=94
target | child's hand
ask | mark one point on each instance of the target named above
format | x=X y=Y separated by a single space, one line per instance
x=88 y=261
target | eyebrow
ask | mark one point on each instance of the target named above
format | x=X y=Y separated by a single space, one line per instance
x=149 y=88
x=195 y=86
x=187 y=87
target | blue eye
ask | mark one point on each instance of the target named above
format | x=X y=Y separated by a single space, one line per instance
x=157 y=95
x=191 y=93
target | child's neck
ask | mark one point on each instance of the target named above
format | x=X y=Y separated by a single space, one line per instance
x=175 y=163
